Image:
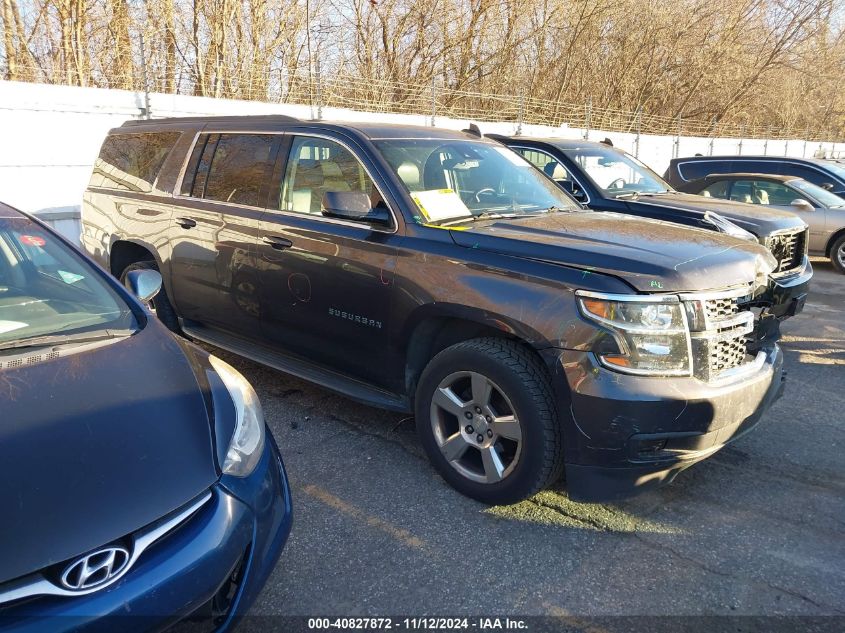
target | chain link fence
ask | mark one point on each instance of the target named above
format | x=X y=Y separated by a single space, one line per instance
x=432 y=99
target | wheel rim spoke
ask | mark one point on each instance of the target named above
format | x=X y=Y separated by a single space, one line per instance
x=454 y=447
x=447 y=400
x=481 y=389
x=507 y=427
x=470 y=411
x=493 y=467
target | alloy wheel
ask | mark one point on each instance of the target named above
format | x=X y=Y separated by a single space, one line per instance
x=476 y=427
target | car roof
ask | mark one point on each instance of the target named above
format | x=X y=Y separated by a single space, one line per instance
x=815 y=161
x=371 y=130
x=10 y=212
x=562 y=143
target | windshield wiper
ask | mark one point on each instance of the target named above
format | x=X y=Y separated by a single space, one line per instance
x=630 y=194
x=64 y=339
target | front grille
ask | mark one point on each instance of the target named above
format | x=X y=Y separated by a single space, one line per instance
x=727 y=354
x=719 y=326
x=788 y=249
x=720 y=308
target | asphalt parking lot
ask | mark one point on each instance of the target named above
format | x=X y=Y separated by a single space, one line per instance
x=757 y=529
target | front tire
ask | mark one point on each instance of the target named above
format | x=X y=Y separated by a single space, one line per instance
x=160 y=304
x=837 y=255
x=486 y=418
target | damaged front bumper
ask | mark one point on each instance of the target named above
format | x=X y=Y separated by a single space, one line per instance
x=784 y=297
x=625 y=434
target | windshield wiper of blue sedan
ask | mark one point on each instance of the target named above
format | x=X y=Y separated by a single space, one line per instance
x=64 y=339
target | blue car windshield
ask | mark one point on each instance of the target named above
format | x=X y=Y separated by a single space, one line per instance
x=47 y=289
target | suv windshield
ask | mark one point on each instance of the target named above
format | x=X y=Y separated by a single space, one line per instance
x=464 y=179
x=46 y=290
x=617 y=173
x=819 y=193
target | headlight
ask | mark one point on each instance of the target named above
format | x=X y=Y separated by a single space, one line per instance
x=651 y=332
x=247 y=441
x=728 y=227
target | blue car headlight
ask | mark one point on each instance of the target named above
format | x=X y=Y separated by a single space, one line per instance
x=247 y=443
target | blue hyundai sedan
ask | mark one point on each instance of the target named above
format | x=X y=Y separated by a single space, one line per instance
x=139 y=484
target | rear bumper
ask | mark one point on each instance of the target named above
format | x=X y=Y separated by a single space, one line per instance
x=626 y=434
x=238 y=533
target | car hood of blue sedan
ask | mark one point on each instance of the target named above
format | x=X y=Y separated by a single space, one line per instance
x=96 y=444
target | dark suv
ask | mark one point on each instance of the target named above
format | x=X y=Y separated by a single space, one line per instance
x=432 y=271
x=827 y=174
x=606 y=178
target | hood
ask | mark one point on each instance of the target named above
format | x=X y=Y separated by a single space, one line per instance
x=754 y=218
x=96 y=444
x=650 y=255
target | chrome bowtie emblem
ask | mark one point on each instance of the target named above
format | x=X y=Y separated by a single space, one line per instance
x=96 y=568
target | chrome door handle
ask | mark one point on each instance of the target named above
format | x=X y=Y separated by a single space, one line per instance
x=279 y=243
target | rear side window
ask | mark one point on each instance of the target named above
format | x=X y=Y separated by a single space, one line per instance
x=131 y=162
x=815 y=176
x=230 y=168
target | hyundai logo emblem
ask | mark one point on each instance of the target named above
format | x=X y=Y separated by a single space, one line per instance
x=96 y=569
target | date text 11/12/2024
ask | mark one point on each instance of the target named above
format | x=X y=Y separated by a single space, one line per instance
x=418 y=624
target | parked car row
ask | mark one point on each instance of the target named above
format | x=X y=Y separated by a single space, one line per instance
x=542 y=307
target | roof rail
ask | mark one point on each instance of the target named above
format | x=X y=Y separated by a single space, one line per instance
x=212 y=118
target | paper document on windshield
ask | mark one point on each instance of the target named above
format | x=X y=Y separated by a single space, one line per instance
x=440 y=204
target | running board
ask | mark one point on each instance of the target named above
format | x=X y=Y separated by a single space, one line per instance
x=349 y=387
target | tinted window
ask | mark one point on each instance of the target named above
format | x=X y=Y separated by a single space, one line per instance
x=700 y=168
x=46 y=288
x=238 y=168
x=809 y=174
x=208 y=146
x=191 y=169
x=318 y=166
x=132 y=161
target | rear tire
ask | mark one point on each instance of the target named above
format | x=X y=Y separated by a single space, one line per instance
x=486 y=418
x=837 y=255
x=160 y=304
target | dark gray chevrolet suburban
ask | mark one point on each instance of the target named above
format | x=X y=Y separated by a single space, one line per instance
x=438 y=273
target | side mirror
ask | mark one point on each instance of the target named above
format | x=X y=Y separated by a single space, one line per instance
x=144 y=284
x=802 y=205
x=353 y=205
